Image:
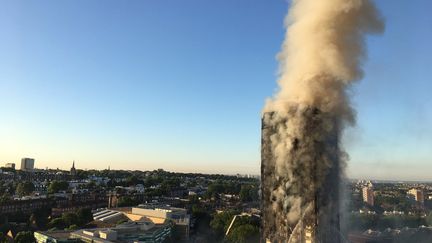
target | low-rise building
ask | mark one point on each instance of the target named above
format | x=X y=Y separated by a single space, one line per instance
x=10 y=165
x=159 y=213
x=155 y=213
x=143 y=231
x=55 y=237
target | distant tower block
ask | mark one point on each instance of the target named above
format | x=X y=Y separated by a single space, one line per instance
x=27 y=164
x=319 y=214
x=368 y=195
x=417 y=194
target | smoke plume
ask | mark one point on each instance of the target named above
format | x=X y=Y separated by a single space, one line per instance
x=302 y=160
x=323 y=52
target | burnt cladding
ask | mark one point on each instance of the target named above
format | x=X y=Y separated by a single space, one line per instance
x=300 y=180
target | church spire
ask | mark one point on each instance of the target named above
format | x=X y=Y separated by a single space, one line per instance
x=73 y=170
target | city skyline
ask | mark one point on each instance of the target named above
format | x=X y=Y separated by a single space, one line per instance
x=69 y=164
x=183 y=89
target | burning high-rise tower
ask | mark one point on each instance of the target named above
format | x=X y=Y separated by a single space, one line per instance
x=303 y=205
x=302 y=160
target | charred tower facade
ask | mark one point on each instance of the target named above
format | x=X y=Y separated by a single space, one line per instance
x=300 y=175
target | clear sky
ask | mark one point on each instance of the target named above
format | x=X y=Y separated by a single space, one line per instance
x=180 y=85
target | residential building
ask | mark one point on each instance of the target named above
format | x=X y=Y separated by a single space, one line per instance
x=27 y=164
x=417 y=194
x=10 y=165
x=25 y=206
x=368 y=196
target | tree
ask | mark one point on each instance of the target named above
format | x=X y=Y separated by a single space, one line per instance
x=214 y=189
x=248 y=193
x=126 y=201
x=90 y=185
x=245 y=194
x=198 y=211
x=132 y=181
x=84 y=216
x=70 y=219
x=157 y=192
x=57 y=223
x=56 y=186
x=221 y=221
x=73 y=227
x=244 y=234
x=5 y=198
x=82 y=174
x=25 y=188
x=25 y=237
x=40 y=217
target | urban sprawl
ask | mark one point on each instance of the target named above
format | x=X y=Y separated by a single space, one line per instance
x=52 y=205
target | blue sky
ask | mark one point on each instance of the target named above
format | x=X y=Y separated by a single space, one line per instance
x=180 y=85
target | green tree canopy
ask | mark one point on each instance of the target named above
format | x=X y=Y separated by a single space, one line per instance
x=25 y=188
x=73 y=227
x=57 y=223
x=56 y=186
x=84 y=216
x=40 y=217
x=25 y=237
x=127 y=201
x=221 y=221
x=248 y=193
x=70 y=218
x=132 y=181
x=244 y=234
